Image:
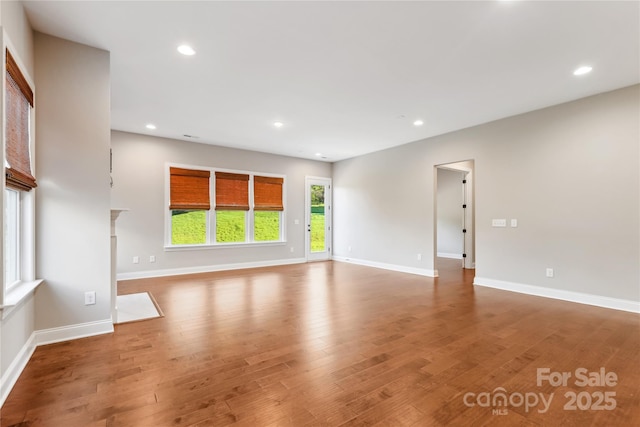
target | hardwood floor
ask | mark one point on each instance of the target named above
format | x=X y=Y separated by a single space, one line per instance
x=335 y=344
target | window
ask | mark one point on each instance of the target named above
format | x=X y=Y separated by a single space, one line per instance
x=267 y=194
x=189 y=195
x=248 y=207
x=232 y=204
x=19 y=180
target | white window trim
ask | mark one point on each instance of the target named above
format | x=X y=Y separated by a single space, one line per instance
x=18 y=293
x=14 y=293
x=211 y=223
x=13 y=281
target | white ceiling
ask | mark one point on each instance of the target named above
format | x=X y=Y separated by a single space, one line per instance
x=345 y=78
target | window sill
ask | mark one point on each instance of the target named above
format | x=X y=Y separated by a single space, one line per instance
x=171 y=248
x=16 y=294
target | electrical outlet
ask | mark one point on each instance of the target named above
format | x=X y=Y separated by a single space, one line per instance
x=90 y=298
x=419 y=257
x=291 y=249
x=136 y=259
x=349 y=249
x=152 y=258
x=549 y=272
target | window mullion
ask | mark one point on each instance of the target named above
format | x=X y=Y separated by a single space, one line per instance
x=250 y=216
x=211 y=218
x=20 y=236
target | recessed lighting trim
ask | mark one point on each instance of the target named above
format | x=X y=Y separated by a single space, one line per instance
x=582 y=70
x=186 y=50
x=150 y=126
x=278 y=124
x=418 y=123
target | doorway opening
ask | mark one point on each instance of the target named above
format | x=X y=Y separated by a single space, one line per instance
x=455 y=215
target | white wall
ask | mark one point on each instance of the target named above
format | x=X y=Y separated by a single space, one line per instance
x=72 y=212
x=568 y=173
x=15 y=24
x=139 y=165
x=381 y=209
x=450 y=241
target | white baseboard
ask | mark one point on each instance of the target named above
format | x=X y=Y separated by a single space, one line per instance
x=581 y=298
x=66 y=333
x=448 y=255
x=206 y=269
x=392 y=267
x=16 y=367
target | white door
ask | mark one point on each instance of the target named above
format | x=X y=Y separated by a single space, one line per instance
x=318 y=218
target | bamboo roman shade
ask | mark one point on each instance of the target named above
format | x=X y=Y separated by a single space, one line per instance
x=189 y=189
x=232 y=191
x=267 y=193
x=19 y=100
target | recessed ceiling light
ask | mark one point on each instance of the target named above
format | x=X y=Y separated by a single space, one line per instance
x=187 y=50
x=151 y=126
x=278 y=124
x=418 y=123
x=582 y=70
x=319 y=154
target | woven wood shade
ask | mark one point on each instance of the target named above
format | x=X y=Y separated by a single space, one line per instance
x=14 y=71
x=232 y=191
x=189 y=189
x=267 y=193
x=19 y=100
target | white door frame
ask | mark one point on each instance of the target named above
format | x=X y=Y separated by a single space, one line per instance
x=325 y=255
x=468 y=260
x=469 y=218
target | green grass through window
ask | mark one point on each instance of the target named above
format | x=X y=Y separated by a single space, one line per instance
x=190 y=227
x=317 y=230
x=230 y=226
x=266 y=226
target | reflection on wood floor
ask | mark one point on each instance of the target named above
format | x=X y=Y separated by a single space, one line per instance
x=329 y=344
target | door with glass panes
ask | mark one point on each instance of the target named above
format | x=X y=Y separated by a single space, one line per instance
x=318 y=218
